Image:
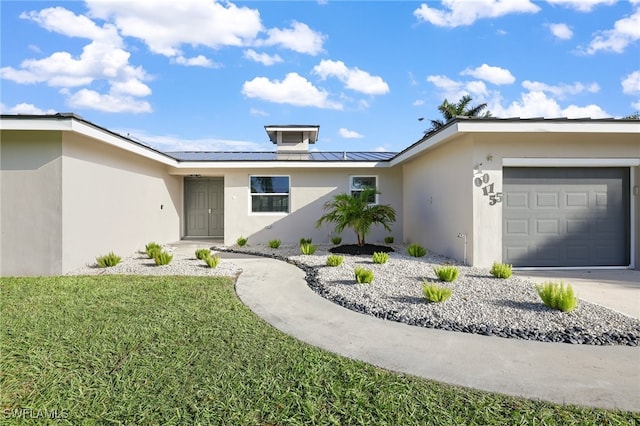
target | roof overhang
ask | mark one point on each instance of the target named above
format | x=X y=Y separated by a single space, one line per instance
x=75 y=123
x=461 y=126
x=185 y=167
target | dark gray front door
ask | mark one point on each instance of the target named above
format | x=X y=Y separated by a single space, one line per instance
x=204 y=207
x=566 y=217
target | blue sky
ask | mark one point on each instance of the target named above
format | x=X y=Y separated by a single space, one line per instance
x=205 y=75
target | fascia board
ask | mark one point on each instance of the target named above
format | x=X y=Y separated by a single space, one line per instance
x=478 y=126
x=215 y=165
x=54 y=124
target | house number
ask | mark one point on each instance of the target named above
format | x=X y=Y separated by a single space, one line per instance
x=484 y=182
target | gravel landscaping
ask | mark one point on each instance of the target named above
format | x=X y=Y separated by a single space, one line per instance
x=182 y=264
x=479 y=304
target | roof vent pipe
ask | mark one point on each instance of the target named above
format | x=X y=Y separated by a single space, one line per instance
x=344 y=155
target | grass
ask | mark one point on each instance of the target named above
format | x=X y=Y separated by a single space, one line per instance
x=114 y=349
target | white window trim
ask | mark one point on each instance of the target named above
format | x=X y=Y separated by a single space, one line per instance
x=251 y=194
x=351 y=188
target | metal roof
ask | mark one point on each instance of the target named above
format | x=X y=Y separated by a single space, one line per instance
x=279 y=156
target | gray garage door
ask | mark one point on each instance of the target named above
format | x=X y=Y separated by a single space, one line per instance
x=566 y=216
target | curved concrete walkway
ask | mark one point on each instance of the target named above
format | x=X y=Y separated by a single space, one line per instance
x=605 y=377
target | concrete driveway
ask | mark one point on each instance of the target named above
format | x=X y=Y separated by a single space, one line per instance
x=618 y=289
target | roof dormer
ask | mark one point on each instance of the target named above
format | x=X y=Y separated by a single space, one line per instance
x=292 y=139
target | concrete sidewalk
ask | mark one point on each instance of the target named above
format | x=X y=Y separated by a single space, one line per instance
x=606 y=377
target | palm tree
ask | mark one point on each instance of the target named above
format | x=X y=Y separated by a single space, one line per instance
x=355 y=211
x=450 y=111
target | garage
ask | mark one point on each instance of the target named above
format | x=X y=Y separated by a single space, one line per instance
x=566 y=216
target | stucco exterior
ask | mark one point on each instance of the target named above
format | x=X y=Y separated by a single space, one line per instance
x=310 y=189
x=30 y=203
x=67 y=198
x=442 y=204
x=71 y=190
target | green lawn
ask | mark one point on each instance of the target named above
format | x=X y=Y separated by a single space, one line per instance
x=184 y=350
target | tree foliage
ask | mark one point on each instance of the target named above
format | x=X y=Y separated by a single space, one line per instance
x=355 y=212
x=462 y=108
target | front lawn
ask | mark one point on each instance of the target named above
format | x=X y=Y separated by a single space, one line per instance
x=184 y=350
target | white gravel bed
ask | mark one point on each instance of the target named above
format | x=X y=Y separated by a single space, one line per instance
x=182 y=264
x=480 y=301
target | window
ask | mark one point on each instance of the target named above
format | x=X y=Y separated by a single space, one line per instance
x=269 y=194
x=358 y=183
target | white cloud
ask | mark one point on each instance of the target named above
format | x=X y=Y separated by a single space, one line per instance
x=25 y=108
x=293 y=90
x=102 y=60
x=581 y=5
x=196 y=61
x=168 y=143
x=349 y=134
x=117 y=103
x=561 y=31
x=353 y=78
x=477 y=88
x=561 y=91
x=165 y=25
x=258 y=112
x=418 y=102
x=453 y=90
x=65 y=22
x=495 y=75
x=449 y=89
x=636 y=105
x=263 y=58
x=625 y=31
x=631 y=83
x=538 y=104
x=462 y=12
x=299 y=38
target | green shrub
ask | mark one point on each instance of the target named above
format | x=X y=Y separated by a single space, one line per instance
x=416 y=250
x=446 y=273
x=307 y=248
x=203 y=253
x=306 y=241
x=163 y=258
x=435 y=293
x=108 y=260
x=380 y=257
x=388 y=240
x=334 y=260
x=212 y=261
x=152 y=248
x=274 y=244
x=501 y=270
x=557 y=296
x=336 y=240
x=363 y=276
x=242 y=241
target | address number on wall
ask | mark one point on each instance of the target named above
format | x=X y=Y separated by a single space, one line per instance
x=484 y=182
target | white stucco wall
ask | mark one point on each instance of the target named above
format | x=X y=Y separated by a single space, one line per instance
x=310 y=189
x=113 y=200
x=438 y=200
x=30 y=203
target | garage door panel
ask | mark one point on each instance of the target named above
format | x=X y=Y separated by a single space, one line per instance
x=547 y=200
x=517 y=199
x=517 y=227
x=578 y=217
x=577 y=199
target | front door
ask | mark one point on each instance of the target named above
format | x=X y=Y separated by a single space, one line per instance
x=204 y=207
